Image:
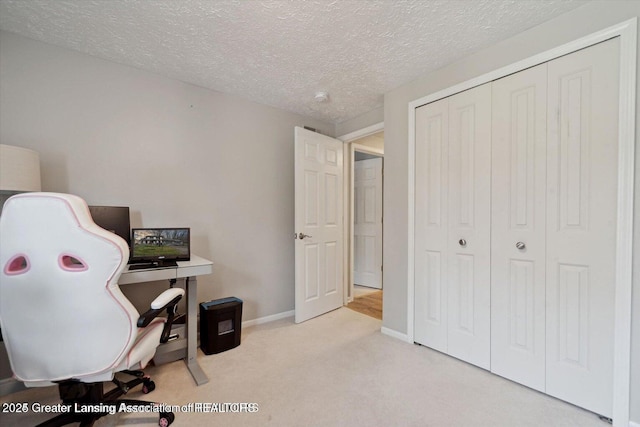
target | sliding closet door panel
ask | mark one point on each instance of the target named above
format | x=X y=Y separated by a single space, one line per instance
x=431 y=224
x=518 y=188
x=469 y=236
x=581 y=225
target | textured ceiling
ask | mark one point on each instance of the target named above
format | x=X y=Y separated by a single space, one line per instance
x=281 y=53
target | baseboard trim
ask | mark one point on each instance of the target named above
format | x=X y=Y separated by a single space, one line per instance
x=632 y=424
x=397 y=335
x=10 y=385
x=268 y=319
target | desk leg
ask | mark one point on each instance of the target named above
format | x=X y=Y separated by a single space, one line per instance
x=192 y=332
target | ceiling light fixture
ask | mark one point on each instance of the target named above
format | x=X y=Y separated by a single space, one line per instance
x=322 y=96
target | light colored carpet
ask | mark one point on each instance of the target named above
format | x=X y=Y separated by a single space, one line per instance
x=336 y=370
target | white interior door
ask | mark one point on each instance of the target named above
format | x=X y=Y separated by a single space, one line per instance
x=318 y=224
x=367 y=227
x=518 y=226
x=582 y=162
x=452 y=272
x=469 y=239
x=431 y=225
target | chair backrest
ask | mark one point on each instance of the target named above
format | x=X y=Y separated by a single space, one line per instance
x=61 y=311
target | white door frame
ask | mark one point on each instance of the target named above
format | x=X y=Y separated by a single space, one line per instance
x=350 y=148
x=627 y=31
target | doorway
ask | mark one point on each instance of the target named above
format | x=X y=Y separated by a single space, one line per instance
x=364 y=264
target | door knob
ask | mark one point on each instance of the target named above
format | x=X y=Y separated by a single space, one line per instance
x=520 y=245
x=462 y=242
x=302 y=236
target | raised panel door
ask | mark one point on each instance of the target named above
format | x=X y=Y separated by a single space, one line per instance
x=581 y=225
x=318 y=224
x=518 y=226
x=368 y=223
x=431 y=224
x=469 y=235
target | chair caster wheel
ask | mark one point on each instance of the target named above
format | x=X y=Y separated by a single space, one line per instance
x=166 y=418
x=148 y=386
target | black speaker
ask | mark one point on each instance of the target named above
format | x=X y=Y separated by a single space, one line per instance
x=220 y=325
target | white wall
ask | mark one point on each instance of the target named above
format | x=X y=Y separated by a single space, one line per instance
x=360 y=122
x=375 y=140
x=177 y=154
x=581 y=22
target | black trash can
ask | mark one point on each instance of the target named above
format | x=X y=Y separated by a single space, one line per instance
x=220 y=325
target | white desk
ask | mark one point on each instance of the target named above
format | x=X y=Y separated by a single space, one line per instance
x=186 y=271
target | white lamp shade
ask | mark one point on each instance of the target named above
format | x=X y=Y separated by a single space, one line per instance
x=19 y=169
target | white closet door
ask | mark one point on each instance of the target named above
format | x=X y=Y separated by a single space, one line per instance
x=518 y=188
x=581 y=225
x=469 y=235
x=431 y=224
x=453 y=180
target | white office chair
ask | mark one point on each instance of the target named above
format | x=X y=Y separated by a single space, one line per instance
x=63 y=317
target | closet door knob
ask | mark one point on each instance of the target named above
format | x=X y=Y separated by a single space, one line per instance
x=462 y=242
x=520 y=245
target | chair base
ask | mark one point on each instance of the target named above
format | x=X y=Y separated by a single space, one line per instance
x=87 y=402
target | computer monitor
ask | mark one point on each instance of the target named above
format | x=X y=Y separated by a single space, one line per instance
x=161 y=245
x=114 y=219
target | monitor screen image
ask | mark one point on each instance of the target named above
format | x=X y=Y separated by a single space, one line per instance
x=114 y=219
x=160 y=244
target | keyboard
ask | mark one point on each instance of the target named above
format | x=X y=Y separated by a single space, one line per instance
x=142 y=266
x=152 y=265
